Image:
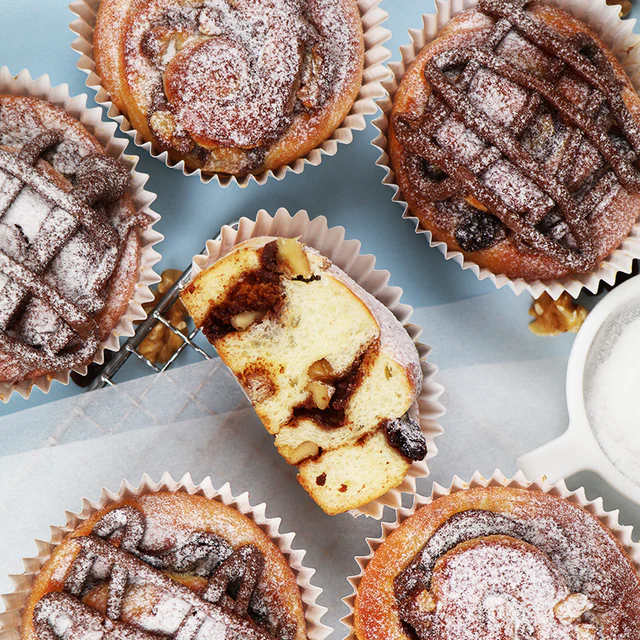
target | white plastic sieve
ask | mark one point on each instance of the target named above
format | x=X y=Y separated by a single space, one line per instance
x=579 y=448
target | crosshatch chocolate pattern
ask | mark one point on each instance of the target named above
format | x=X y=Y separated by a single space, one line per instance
x=555 y=224
x=231 y=600
x=29 y=286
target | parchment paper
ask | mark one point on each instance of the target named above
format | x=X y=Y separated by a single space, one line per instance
x=504 y=396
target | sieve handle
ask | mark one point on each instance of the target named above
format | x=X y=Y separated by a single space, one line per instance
x=575 y=450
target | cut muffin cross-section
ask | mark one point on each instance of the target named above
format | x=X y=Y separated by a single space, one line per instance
x=330 y=371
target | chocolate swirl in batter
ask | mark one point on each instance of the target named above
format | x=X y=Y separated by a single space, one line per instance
x=477 y=185
x=233 y=74
x=115 y=554
x=503 y=562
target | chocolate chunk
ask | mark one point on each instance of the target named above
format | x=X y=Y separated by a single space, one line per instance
x=480 y=231
x=404 y=434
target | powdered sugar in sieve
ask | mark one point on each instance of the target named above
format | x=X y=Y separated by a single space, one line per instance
x=603 y=399
x=612 y=388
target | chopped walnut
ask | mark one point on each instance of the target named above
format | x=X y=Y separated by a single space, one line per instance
x=625 y=6
x=162 y=343
x=553 y=317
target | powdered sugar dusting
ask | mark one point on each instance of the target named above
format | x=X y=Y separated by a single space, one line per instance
x=69 y=255
x=223 y=81
x=543 y=569
x=554 y=147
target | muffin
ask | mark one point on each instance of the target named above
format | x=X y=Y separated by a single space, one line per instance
x=70 y=241
x=330 y=371
x=499 y=562
x=231 y=86
x=514 y=140
x=165 y=565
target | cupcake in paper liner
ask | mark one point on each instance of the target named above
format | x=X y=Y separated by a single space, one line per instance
x=502 y=558
x=511 y=135
x=235 y=91
x=173 y=559
x=76 y=235
x=325 y=352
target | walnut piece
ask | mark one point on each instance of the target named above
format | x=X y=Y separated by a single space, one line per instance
x=304 y=451
x=572 y=608
x=625 y=6
x=425 y=602
x=321 y=370
x=320 y=394
x=161 y=343
x=553 y=317
x=291 y=256
x=244 y=320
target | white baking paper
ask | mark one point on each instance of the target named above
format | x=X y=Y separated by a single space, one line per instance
x=504 y=397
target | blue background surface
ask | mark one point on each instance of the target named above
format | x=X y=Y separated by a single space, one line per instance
x=485 y=327
x=346 y=188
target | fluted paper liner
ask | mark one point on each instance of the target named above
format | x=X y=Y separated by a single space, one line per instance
x=618 y=35
x=23 y=84
x=330 y=242
x=10 y=620
x=375 y=71
x=609 y=519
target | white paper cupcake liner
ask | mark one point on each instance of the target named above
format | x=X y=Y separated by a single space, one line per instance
x=23 y=84
x=10 y=620
x=374 y=72
x=609 y=519
x=330 y=242
x=618 y=35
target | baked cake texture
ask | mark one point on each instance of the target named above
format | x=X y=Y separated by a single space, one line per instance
x=69 y=241
x=499 y=562
x=330 y=371
x=515 y=139
x=165 y=565
x=231 y=86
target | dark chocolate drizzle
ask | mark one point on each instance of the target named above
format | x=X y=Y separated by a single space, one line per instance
x=98 y=179
x=115 y=553
x=557 y=224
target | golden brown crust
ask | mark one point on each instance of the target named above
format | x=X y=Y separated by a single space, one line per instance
x=178 y=514
x=609 y=228
x=126 y=75
x=37 y=116
x=600 y=555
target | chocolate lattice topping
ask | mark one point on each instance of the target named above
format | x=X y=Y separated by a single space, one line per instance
x=42 y=324
x=115 y=554
x=537 y=172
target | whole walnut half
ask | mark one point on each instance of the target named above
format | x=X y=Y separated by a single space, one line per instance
x=553 y=317
x=162 y=343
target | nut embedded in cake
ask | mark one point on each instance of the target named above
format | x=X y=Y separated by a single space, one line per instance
x=330 y=371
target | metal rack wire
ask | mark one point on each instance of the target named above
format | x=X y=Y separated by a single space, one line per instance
x=105 y=376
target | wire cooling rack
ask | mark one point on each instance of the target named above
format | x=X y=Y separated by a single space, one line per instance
x=105 y=375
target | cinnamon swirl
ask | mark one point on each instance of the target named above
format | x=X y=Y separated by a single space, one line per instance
x=165 y=565
x=231 y=86
x=515 y=140
x=69 y=241
x=499 y=562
